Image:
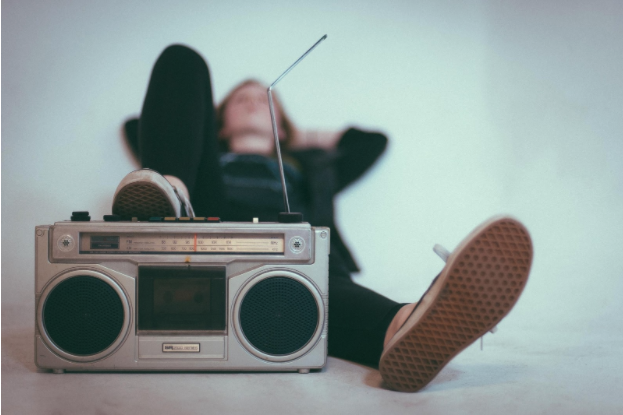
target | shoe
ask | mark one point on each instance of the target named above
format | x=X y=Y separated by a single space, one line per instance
x=146 y=193
x=481 y=282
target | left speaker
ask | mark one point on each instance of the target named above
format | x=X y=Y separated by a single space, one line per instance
x=83 y=315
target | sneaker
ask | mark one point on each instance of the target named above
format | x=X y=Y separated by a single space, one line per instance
x=146 y=193
x=481 y=282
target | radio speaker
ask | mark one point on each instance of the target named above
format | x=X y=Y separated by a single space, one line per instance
x=279 y=316
x=83 y=315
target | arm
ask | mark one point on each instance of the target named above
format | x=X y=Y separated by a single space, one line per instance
x=326 y=140
x=357 y=151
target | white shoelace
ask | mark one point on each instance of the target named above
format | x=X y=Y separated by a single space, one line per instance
x=185 y=203
x=444 y=254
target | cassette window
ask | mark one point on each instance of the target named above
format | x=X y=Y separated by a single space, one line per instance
x=181 y=298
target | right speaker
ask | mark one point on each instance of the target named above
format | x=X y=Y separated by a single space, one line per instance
x=279 y=315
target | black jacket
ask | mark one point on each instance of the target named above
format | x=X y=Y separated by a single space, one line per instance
x=328 y=172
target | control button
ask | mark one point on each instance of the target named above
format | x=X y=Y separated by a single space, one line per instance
x=214 y=219
x=66 y=243
x=112 y=218
x=156 y=219
x=184 y=219
x=80 y=216
x=199 y=219
x=297 y=244
x=170 y=219
x=290 y=217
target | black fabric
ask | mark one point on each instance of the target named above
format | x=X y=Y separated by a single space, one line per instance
x=254 y=187
x=329 y=172
x=177 y=128
x=177 y=136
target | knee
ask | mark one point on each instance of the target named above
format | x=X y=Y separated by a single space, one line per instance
x=181 y=56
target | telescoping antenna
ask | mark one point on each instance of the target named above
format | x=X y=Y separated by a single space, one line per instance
x=287 y=216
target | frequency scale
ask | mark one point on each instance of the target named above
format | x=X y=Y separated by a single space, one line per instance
x=176 y=243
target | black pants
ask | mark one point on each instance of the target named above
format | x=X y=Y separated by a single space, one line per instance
x=178 y=137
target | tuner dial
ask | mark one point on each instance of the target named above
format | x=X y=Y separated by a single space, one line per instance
x=66 y=243
x=297 y=244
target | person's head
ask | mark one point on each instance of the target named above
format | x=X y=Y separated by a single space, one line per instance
x=245 y=112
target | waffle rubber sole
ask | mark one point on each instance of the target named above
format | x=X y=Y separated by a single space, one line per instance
x=479 y=285
x=142 y=200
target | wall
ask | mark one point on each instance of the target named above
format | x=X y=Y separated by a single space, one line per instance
x=490 y=107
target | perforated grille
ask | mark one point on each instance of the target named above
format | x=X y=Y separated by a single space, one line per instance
x=142 y=200
x=481 y=288
x=278 y=316
x=83 y=315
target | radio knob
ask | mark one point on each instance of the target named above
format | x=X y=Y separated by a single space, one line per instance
x=113 y=218
x=290 y=217
x=80 y=216
x=66 y=243
x=297 y=244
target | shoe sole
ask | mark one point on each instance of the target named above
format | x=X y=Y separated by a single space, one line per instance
x=142 y=200
x=481 y=282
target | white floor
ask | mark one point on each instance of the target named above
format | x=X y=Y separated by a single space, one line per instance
x=518 y=372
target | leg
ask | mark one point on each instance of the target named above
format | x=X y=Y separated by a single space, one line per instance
x=481 y=282
x=358 y=317
x=177 y=135
x=358 y=321
x=399 y=319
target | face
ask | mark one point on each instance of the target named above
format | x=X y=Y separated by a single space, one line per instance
x=247 y=113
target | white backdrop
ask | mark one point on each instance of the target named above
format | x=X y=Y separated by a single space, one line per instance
x=491 y=107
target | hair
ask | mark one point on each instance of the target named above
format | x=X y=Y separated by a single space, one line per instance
x=286 y=124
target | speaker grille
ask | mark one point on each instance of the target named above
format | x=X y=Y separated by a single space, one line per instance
x=278 y=316
x=83 y=315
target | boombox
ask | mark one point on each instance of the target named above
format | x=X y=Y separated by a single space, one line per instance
x=181 y=295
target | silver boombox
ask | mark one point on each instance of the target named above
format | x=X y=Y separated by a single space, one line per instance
x=181 y=296
x=183 y=293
